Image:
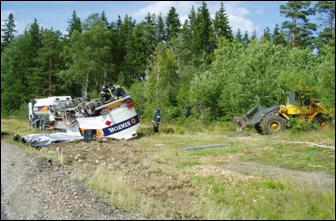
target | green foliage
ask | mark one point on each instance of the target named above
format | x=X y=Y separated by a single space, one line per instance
x=193 y=73
x=162 y=83
x=137 y=92
x=278 y=36
x=299 y=124
x=85 y=55
x=15 y=61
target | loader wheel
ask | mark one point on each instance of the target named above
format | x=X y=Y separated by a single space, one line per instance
x=259 y=128
x=322 y=120
x=273 y=124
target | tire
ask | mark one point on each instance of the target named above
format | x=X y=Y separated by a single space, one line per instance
x=259 y=128
x=273 y=124
x=321 y=120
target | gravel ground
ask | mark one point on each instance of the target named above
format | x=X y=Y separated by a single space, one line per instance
x=38 y=188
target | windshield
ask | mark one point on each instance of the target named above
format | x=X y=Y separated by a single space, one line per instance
x=292 y=98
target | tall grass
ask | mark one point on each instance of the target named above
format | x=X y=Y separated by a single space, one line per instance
x=119 y=190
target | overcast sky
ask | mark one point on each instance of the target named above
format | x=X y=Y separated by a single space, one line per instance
x=247 y=16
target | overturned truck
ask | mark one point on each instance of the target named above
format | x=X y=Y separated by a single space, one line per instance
x=112 y=116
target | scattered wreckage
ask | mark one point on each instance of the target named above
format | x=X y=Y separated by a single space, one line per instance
x=113 y=115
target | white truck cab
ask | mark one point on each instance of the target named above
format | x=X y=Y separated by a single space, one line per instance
x=39 y=111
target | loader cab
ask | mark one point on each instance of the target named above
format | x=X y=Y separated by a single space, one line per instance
x=302 y=99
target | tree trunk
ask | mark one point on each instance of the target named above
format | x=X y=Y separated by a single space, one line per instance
x=86 y=85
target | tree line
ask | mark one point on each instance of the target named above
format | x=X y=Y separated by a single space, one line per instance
x=196 y=69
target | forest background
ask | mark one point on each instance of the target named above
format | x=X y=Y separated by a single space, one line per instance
x=199 y=70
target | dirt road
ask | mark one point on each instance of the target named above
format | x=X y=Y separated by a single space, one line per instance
x=36 y=188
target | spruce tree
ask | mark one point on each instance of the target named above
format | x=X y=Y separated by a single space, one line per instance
x=172 y=23
x=267 y=34
x=160 y=31
x=254 y=36
x=8 y=31
x=221 y=24
x=238 y=37
x=246 y=39
x=35 y=36
x=204 y=36
x=104 y=19
x=74 y=24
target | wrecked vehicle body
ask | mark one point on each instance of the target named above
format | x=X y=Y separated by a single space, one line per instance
x=111 y=116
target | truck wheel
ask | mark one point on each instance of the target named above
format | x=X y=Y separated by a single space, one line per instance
x=273 y=124
x=259 y=128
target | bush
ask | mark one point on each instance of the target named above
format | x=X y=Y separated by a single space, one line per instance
x=300 y=124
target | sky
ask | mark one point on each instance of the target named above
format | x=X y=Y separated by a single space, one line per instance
x=246 y=15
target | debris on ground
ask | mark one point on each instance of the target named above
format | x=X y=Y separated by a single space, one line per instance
x=40 y=140
x=204 y=146
x=3 y=133
x=311 y=144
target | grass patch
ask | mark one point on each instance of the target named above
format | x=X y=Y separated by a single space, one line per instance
x=295 y=157
x=264 y=199
x=17 y=125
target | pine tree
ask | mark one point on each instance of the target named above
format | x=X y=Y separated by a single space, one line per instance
x=172 y=23
x=299 y=28
x=221 y=24
x=8 y=31
x=74 y=24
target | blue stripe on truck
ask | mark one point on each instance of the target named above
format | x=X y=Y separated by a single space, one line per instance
x=121 y=126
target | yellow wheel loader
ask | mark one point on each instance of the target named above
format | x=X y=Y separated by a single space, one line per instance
x=275 y=119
